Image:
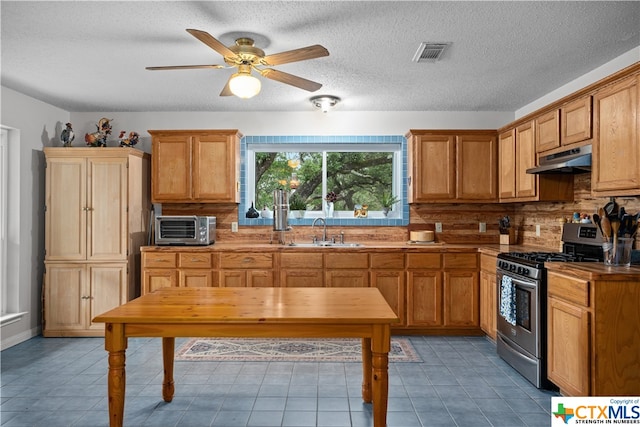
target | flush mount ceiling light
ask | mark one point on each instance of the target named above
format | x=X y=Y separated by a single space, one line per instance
x=324 y=102
x=243 y=85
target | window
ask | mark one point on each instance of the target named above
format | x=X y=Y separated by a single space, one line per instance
x=360 y=171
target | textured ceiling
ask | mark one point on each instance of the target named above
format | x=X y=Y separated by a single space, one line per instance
x=87 y=56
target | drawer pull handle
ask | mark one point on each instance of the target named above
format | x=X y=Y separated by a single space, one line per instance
x=196 y=260
x=248 y=259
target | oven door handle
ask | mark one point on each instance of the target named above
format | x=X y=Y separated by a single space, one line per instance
x=518 y=282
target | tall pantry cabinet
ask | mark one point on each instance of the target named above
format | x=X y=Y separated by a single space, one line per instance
x=97 y=206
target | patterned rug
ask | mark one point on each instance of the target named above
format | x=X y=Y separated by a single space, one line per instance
x=287 y=350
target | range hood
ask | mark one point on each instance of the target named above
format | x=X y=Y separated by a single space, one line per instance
x=574 y=161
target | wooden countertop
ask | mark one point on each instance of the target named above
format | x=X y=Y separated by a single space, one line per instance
x=595 y=271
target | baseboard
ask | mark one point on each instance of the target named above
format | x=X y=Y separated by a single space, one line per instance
x=8 y=342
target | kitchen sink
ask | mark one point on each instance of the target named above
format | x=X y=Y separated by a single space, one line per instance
x=325 y=244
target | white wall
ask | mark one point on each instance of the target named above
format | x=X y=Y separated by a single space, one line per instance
x=34 y=125
x=290 y=123
x=601 y=72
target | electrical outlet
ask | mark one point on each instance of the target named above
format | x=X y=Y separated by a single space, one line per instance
x=537 y=230
x=438 y=227
x=483 y=227
x=234 y=227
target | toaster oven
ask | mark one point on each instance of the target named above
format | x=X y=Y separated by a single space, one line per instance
x=179 y=230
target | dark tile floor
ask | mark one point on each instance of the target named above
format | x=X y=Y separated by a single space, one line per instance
x=461 y=382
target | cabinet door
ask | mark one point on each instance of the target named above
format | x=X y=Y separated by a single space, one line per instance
x=214 y=168
x=192 y=278
x=461 y=298
x=65 y=297
x=616 y=146
x=233 y=278
x=477 y=166
x=525 y=159
x=575 y=121
x=488 y=301
x=507 y=155
x=298 y=278
x=391 y=286
x=568 y=352
x=260 y=278
x=435 y=174
x=424 y=298
x=158 y=278
x=548 y=131
x=171 y=168
x=66 y=209
x=107 y=209
x=107 y=290
x=347 y=278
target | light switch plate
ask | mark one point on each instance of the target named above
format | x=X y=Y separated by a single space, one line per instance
x=234 y=227
x=537 y=230
x=438 y=227
x=483 y=227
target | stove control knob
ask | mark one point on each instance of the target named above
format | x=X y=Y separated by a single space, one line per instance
x=525 y=271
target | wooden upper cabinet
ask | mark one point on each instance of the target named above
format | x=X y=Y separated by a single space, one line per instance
x=476 y=165
x=575 y=121
x=547 y=131
x=432 y=163
x=525 y=159
x=616 y=145
x=507 y=165
x=449 y=166
x=195 y=166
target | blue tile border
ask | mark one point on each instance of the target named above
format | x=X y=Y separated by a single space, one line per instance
x=324 y=139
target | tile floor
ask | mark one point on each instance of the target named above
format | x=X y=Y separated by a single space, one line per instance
x=461 y=382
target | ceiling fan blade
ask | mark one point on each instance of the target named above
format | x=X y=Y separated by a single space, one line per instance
x=212 y=42
x=184 y=67
x=302 y=54
x=290 y=79
x=226 y=90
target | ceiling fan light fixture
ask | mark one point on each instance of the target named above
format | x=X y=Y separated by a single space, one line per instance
x=324 y=102
x=244 y=85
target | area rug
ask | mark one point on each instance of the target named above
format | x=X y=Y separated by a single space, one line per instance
x=287 y=350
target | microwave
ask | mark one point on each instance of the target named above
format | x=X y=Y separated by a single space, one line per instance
x=179 y=230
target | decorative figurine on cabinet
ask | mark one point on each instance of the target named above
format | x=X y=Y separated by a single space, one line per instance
x=67 y=136
x=130 y=141
x=99 y=138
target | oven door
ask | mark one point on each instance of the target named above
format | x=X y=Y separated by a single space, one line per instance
x=525 y=332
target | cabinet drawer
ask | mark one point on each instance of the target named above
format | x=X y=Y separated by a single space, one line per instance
x=246 y=260
x=194 y=260
x=469 y=261
x=301 y=260
x=422 y=261
x=387 y=261
x=488 y=263
x=346 y=260
x=159 y=260
x=568 y=288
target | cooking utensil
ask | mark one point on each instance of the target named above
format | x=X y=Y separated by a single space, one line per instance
x=615 y=227
x=606 y=228
x=597 y=219
x=611 y=208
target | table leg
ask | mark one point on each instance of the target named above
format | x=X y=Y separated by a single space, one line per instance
x=380 y=346
x=116 y=344
x=366 y=370
x=168 y=386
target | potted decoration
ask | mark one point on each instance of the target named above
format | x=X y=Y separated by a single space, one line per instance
x=297 y=206
x=387 y=200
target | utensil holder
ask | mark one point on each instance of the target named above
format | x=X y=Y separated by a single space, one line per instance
x=618 y=252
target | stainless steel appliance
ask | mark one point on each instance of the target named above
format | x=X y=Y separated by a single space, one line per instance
x=522 y=295
x=180 y=230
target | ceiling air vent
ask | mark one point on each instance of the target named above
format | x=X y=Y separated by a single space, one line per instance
x=430 y=52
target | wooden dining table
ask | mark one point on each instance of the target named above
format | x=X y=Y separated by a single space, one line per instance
x=252 y=312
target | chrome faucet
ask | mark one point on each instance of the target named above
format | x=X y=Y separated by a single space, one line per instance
x=324 y=229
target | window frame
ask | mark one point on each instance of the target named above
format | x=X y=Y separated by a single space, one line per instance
x=395 y=144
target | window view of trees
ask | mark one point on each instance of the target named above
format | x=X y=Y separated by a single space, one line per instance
x=357 y=178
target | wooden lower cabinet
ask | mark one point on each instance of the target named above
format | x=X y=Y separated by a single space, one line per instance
x=461 y=298
x=488 y=295
x=301 y=269
x=74 y=293
x=178 y=269
x=387 y=274
x=593 y=324
x=246 y=269
x=424 y=298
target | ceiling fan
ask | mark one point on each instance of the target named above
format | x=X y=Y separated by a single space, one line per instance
x=246 y=57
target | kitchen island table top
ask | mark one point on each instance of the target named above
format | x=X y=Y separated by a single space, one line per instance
x=252 y=312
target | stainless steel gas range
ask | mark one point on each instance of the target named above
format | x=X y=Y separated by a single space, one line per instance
x=522 y=299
